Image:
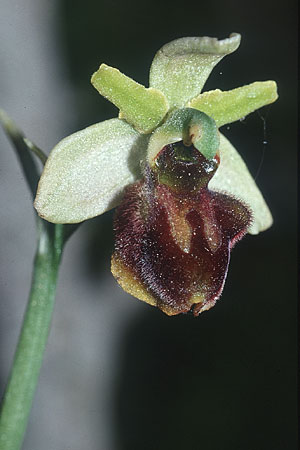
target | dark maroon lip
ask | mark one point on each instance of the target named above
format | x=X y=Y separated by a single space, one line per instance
x=176 y=241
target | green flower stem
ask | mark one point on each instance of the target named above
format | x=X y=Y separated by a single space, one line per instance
x=30 y=350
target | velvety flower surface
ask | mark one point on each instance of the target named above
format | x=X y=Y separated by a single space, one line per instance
x=185 y=195
x=173 y=243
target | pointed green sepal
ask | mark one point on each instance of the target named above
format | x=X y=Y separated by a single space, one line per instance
x=233 y=178
x=190 y=126
x=229 y=106
x=181 y=67
x=86 y=172
x=24 y=149
x=144 y=108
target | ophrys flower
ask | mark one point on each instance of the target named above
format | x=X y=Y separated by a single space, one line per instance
x=192 y=196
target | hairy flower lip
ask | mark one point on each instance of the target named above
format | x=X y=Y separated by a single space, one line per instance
x=149 y=248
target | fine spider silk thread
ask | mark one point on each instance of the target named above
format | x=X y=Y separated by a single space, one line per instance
x=264 y=142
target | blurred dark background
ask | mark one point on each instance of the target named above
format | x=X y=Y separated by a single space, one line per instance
x=227 y=379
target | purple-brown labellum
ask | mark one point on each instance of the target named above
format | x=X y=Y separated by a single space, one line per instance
x=174 y=235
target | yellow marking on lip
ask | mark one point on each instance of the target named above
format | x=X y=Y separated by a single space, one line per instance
x=133 y=286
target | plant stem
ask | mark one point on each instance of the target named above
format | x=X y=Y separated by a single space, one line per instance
x=30 y=350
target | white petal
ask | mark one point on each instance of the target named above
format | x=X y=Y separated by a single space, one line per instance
x=233 y=177
x=86 y=172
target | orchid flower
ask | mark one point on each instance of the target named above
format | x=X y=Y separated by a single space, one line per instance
x=185 y=195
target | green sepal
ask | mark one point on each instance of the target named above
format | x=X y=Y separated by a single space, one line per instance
x=233 y=178
x=144 y=108
x=181 y=67
x=229 y=106
x=191 y=126
x=24 y=149
x=86 y=173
